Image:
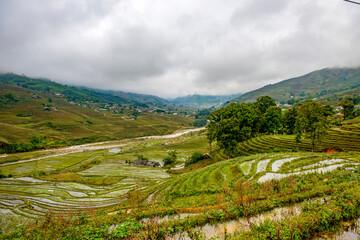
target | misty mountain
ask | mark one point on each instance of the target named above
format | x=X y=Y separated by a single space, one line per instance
x=135 y=97
x=79 y=94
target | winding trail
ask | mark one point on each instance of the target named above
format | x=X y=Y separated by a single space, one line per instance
x=99 y=146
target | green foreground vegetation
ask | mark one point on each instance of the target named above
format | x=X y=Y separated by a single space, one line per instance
x=99 y=195
x=255 y=172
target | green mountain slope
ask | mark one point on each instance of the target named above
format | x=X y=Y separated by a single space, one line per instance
x=136 y=97
x=318 y=84
x=82 y=94
x=58 y=116
x=203 y=101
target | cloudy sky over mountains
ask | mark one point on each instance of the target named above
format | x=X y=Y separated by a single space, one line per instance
x=177 y=47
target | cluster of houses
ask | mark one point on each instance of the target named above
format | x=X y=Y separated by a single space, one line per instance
x=121 y=108
x=128 y=109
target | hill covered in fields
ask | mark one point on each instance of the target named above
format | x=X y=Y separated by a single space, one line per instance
x=38 y=114
x=326 y=84
x=82 y=94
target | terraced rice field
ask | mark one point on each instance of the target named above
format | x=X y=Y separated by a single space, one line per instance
x=345 y=138
x=98 y=180
x=229 y=197
x=32 y=198
x=258 y=168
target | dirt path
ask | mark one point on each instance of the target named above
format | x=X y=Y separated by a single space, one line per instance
x=98 y=146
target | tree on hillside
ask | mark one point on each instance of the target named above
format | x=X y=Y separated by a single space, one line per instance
x=170 y=158
x=347 y=108
x=290 y=120
x=273 y=120
x=329 y=111
x=269 y=116
x=233 y=124
x=312 y=122
x=194 y=158
x=263 y=103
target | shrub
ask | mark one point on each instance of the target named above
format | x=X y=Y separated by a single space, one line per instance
x=200 y=122
x=126 y=229
x=195 y=157
x=140 y=157
x=168 y=160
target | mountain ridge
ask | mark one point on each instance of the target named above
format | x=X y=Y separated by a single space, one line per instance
x=316 y=84
x=74 y=93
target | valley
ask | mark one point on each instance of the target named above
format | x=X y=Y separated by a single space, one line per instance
x=63 y=184
x=213 y=197
x=124 y=169
x=179 y=120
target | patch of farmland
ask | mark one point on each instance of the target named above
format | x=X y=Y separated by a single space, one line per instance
x=262 y=164
x=270 y=176
x=277 y=164
x=246 y=167
x=126 y=171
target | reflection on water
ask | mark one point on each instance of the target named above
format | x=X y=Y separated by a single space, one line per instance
x=348 y=231
x=115 y=150
x=239 y=225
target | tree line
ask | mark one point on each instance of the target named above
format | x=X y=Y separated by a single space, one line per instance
x=239 y=122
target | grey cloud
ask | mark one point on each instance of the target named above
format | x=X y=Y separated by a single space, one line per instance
x=179 y=47
x=252 y=11
x=133 y=53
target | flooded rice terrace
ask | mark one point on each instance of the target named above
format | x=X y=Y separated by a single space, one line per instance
x=347 y=231
x=26 y=198
x=231 y=227
x=23 y=199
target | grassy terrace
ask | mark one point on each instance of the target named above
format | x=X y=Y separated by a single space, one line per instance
x=346 y=138
x=189 y=190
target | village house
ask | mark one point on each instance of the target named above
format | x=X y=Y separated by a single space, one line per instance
x=146 y=163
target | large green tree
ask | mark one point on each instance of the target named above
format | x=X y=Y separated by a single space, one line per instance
x=233 y=124
x=347 y=108
x=311 y=122
x=273 y=120
x=289 y=119
x=263 y=103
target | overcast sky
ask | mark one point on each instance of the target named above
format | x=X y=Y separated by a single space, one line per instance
x=173 y=48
